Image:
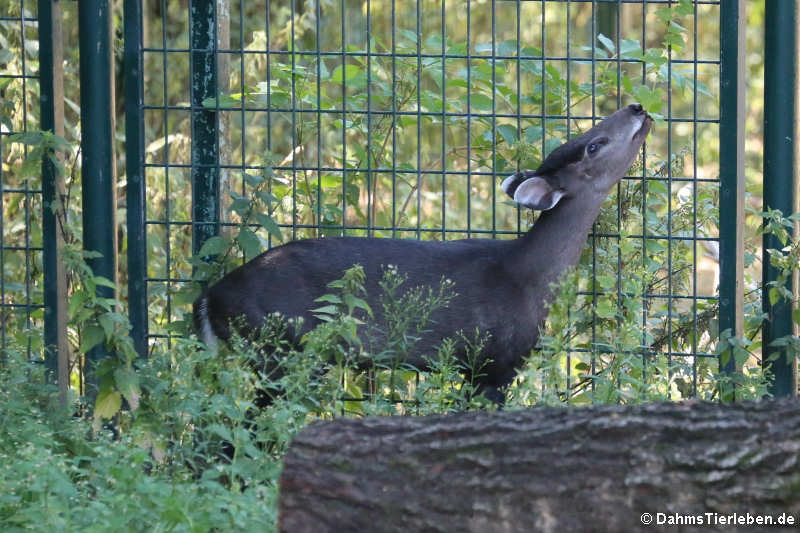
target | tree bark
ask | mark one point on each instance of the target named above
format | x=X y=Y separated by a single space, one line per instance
x=549 y=469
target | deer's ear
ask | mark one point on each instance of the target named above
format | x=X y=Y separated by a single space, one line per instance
x=511 y=183
x=537 y=193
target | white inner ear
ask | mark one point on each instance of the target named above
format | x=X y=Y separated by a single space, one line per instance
x=557 y=195
x=536 y=193
x=531 y=191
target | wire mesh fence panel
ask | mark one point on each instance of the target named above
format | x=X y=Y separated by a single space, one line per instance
x=400 y=119
x=21 y=248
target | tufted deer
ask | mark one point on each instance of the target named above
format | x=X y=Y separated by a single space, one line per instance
x=502 y=286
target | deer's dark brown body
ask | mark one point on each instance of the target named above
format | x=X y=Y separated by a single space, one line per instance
x=502 y=287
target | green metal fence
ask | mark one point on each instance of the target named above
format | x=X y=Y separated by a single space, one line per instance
x=780 y=171
x=21 y=261
x=398 y=119
x=32 y=288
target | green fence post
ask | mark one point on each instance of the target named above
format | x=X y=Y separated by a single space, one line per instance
x=606 y=13
x=51 y=88
x=205 y=153
x=731 y=171
x=780 y=86
x=97 y=152
x=134 y=168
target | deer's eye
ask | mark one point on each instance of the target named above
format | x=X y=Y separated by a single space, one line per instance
x=596 y=145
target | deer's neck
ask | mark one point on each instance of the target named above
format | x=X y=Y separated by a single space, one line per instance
x=555 y=241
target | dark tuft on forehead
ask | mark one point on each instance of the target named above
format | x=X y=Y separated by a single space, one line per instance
x=515 y=180
x=566 y=154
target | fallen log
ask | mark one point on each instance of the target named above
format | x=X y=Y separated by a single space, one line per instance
x=685 y=466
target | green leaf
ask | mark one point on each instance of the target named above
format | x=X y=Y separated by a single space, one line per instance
x=651 y=99
x=31 y=167
x=329 y=181
x=508 y=133
x=127 y=383
x=675 y=40
x=630 y=48
x=253 y=180
x=554 y=73
x=534 y=134
x=434 y=41
x=240 y=205
x=329 y=309
x=270 y=225
x=774 y=296
x=684 y=8
x=457 y=49
x=107 y=404
x=531 y=67
x=664 y=14
x=654 y=246
x=221 y=431
x=551 y=144
x=29 y=138
x=213 y=246
x=481 y=102
x=249 y=242
x=605 y=308
x=608 y=43
x=702 y=89
x=92 y=336
x=627 y=84
x=598 y=52
x=409 y=35
x=353 y=302
x=225 y=102
x=531 y=51
x=741 y=356
x=104 y=282
x=107 y=323
x=331 y=298
x=654 y=58
x=606 y=281
x=674 y=25
x=507 y=48
x=796 y=316
x=339 y=74
x=267 y=197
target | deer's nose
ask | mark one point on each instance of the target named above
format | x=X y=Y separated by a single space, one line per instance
x=637 y=109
